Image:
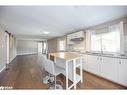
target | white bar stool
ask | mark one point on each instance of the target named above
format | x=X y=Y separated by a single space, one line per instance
x=53 y=70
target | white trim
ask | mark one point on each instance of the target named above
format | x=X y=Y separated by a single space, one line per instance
x=27 y=53
x=9 y=63
x=2 y=69
x=12 y=59
x=30 y=39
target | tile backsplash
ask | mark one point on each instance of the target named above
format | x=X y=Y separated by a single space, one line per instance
x=77 y=46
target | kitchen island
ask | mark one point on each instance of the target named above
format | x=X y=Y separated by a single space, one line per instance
x=69 y=61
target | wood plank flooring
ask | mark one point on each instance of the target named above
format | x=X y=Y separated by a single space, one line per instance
x=27 y=72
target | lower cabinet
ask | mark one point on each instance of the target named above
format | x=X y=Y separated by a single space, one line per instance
x=92 y=64
x=85 y=65
x=109 y=68
x=114 y=69
x=122 y=72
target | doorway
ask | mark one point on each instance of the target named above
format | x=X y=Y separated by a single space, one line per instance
x=39 y=47
x=42 y=47
x=6 y=48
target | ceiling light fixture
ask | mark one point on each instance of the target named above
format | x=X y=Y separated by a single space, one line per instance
x=45 y=32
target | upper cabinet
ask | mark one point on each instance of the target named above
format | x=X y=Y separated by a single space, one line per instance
x=69 y=37
x=78 y=36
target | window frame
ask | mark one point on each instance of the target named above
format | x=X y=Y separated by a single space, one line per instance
x=102 y=40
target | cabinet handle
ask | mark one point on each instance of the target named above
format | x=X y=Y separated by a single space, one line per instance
x=119 y=62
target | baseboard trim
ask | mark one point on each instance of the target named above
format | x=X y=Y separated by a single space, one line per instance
x=8 y=63
x=2 y=69
x=13 y=59
x=27 y=53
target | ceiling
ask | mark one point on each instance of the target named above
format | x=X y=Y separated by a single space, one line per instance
x=32 y=21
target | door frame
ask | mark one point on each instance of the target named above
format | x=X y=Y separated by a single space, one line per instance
x=7 y=47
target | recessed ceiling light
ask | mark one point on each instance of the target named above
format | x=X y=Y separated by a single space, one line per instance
x=46 y=32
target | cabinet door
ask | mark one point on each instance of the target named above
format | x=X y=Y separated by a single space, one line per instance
x=109 y=68
x=85 y=64
x=69 y=37
x=78 y=34
x=93 y=64
x=123 y=72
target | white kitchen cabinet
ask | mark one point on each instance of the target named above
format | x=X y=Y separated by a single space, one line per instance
x=78 y=34
x=92 y=64
x=114 y=69
x=122 y=71
x=109 y=68
x=69 y=37
x=74 y=35
x=85 y=64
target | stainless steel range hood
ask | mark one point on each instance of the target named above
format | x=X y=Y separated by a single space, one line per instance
x=77 y=39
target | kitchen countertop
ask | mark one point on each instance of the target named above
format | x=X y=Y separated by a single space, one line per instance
x=108 y=55
x=105 y=55
x=66 y=55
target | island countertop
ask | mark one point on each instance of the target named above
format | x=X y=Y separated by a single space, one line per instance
x=65 y=55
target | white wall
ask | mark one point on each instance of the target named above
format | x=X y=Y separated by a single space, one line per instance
x=52 y=45
x=26 y=47
x=12 y=47
x=2 y=58
x=58 y=42
x=3 y=49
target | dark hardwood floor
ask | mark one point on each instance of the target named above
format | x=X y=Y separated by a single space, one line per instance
x=27 y=72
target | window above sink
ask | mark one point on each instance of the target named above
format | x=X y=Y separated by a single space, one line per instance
x=107 y=40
